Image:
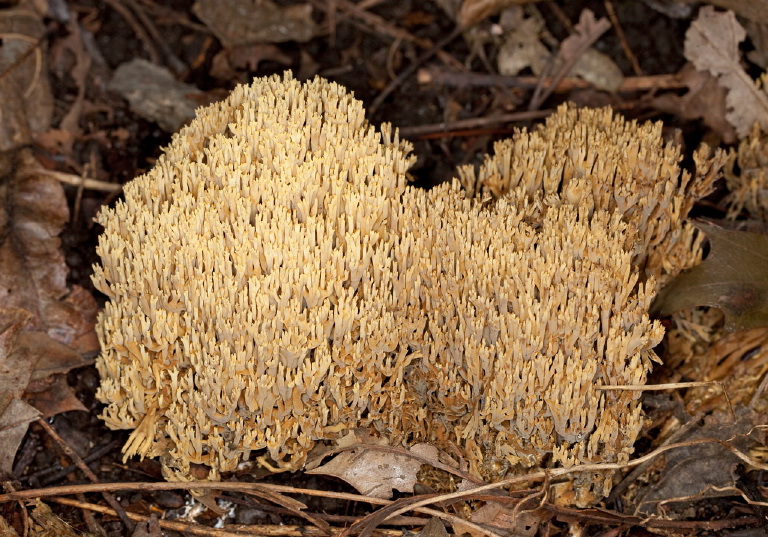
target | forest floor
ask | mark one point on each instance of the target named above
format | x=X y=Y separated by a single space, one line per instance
x=92 y=117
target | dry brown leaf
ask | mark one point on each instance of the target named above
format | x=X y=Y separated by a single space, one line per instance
x=703 y=469
x=587 y=31
x=154 y=93
x=733 y=277
x=712 y=44
x=705 y=100
x=243 y=22
x=16 y=365
x=59 y=323
x=522 y=49
x=433 y=528
x=375 y=472
x=519 y=522
x=48 y=524
x=24 y=88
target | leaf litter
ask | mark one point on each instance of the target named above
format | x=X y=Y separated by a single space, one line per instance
x=733 y=277
x=712 y=44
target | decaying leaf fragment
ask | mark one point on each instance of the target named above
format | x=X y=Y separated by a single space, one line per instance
x=374 y=472
x=712 y=44
x=733 y=277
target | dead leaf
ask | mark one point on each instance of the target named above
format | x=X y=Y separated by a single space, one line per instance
x=712 y=44
x=705 y=100
x=58 y=326
x=16 y=365
x=586 y=32
x=244 y=22
x=24 y=88
x=523 y=49
x=697 y=471
x=154 y=93
x=519 y=522
x=433 y=528
x=374 y=472
x=733 y=277
x=47 y=524
x=599 y=70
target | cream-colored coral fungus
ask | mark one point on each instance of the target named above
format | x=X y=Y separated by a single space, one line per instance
x=273 y=282
x=594 y=157
x=746 y=175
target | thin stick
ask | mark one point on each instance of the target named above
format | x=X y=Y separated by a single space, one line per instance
x=69 y=452
x=75 y=180
x=437 y=75
x=195 y=529
x=472 y=123
x=670 y=386
x=408 y=71
x=140 y=31
x=620 y=33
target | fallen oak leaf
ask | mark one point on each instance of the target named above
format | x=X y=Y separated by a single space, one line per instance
x=375 y=473
x=712 y=44
x=733 y=277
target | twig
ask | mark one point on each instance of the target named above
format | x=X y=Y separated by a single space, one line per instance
x=247 y=488
x=560 y=472
x=108 y=497
x=171 y=60
x=386 y=28
x=188 y=528
x=35 y=48
x=408 y=71
x=670 y=386
x=138 y=29
x=437 y=75
x=74 y=180
x=622 y=38
x=471 y=123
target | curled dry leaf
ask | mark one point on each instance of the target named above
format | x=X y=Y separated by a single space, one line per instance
x=733 y=277
x=375 y=472
x=712 y=44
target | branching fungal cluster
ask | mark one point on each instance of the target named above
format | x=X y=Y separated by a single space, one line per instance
x=274 y=282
